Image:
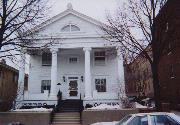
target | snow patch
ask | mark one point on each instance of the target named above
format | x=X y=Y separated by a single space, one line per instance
x=33 y=110
x=137 y=105
x=105 y=106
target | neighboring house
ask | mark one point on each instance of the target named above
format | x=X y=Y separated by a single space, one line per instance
x=168 y=32
x=138 y=78
x=8 y=85
x=80 y=63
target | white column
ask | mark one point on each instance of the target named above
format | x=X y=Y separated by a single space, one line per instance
x=53 y=93
x=20 y=89
x=88 y=93
x=120 y=68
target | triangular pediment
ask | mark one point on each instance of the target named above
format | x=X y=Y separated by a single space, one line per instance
x=65 y=14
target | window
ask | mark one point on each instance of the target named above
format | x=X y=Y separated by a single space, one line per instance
x=70 y=28
x=100 y=85
x=139 y=120
x=73 y=60
x=1 y=74
x=162 y=120
x=15 y=78
x=124 y=120
x=46 y=59
x=45 y=85
x=172 y=75
x=99 y=58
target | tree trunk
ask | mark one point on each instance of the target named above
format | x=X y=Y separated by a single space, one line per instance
x=156 y=85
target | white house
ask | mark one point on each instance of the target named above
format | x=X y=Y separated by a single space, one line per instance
x=80 y=62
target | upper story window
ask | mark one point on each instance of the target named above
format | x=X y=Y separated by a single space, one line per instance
x=99 y=58
x=46 y=59
x=70 y=28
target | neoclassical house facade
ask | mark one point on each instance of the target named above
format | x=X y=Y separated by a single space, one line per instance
x=80 y=62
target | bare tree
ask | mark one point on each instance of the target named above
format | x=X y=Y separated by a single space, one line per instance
x=17 y=17
x=134 y=28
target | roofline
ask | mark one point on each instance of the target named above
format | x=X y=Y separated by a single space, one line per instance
x=61 y=15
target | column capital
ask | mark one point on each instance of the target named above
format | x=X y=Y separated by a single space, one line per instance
x=87 y=48
x=54 y=50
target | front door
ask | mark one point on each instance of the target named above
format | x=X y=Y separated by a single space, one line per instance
x=73 y=88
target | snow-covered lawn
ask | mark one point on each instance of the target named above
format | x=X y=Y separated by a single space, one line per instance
x=33 y=110
x=105 y=107
x=105 y=123
x=111 y=107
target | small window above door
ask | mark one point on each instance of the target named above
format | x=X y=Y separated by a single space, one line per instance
x=73 y=60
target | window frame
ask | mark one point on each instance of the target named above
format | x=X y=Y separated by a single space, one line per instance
x=94 y=56
x=50 y=57
x=134 y=116
x=100 y=78
x=42 y=89
x=167 y=116
x=73 y=62
x=70 y=28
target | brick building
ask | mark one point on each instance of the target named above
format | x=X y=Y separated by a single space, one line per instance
x=168 y=32
x=168 y=24
x=138 y=78
x=8 y=85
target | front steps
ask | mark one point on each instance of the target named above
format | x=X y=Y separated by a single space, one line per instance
x=66 y=118
x=69 y=106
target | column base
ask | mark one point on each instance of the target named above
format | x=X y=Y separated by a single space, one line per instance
x=88 y=98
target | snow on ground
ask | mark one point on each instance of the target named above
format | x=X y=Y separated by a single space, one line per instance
x=105 y=123
x=110 y=107
x=33 y=110
x=105 y=107
x=137 y=105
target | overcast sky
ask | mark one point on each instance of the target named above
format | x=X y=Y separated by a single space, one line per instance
x=93 y=8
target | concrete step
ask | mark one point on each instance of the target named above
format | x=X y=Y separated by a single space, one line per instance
x=67 y=114
x=67 y=123
x=66 y=118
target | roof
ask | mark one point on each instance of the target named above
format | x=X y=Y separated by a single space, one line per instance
x=68 y=11
x=153 y=113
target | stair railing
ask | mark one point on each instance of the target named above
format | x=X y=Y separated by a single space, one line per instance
x=81 y=108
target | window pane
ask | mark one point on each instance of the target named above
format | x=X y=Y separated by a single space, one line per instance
x=74 y=28
x=46 y=59
x=45 y=85
x=162 y=120
x=139 y=120
x=66 y=29
x=73 y=60
x=100 y=85
x=99 y=58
